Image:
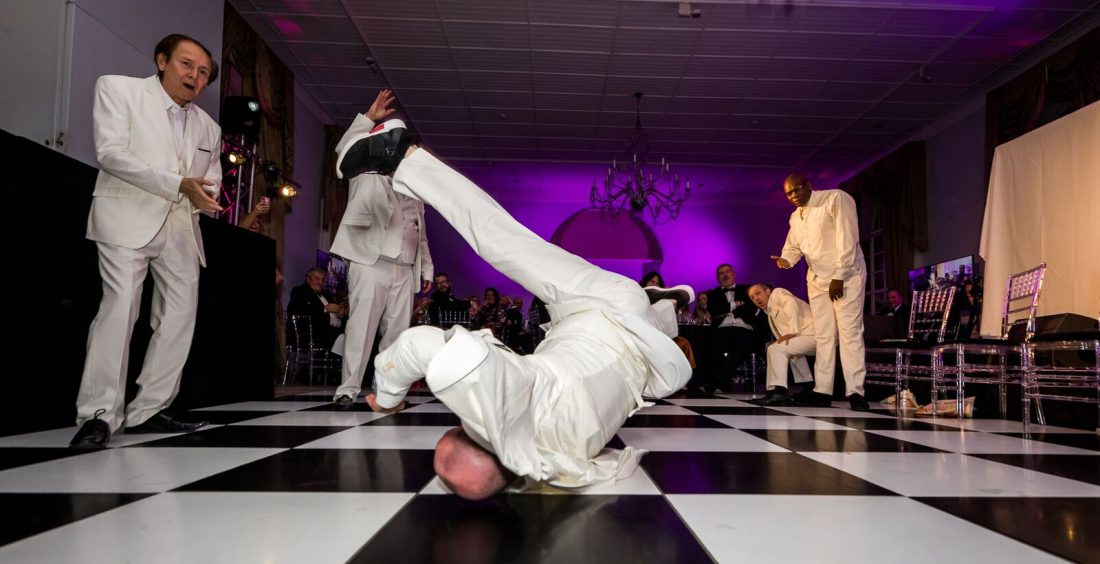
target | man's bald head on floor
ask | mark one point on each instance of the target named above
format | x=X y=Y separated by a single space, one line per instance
x=470 y=471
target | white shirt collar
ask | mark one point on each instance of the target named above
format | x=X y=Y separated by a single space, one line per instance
x=169 y=103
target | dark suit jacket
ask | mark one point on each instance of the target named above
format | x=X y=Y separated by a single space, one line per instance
x=441 y=301
x=719 y=306
x=901 y=319
x=303 y=301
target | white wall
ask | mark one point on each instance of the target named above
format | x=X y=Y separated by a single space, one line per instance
x=302 y=232
x=107 y=37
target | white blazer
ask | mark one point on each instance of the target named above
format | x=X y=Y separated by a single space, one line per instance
x=371 y=202
x=140 y=166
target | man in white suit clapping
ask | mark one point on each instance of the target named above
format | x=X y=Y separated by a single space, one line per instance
x=158 y=157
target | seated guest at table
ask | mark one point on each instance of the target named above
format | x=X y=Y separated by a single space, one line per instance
x=735 y=337
x=793 y=326
x=443 y=299
x=897 y=308
x=652 y=278
x=325 y=315
x=701 y=316
x=491 y=313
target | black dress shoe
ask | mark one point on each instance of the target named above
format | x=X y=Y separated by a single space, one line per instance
x=164 y=423
x=805 y=392
x=815 y=399
x=775 y=398
x=93 y=435
x=344 y=401
x=683 y=294
x=858 y=403
x=380 y=150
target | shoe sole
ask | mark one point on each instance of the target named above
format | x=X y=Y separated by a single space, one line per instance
x=683 y=295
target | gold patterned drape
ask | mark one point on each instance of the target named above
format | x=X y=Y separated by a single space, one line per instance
x=251 y=69
x=896 y=186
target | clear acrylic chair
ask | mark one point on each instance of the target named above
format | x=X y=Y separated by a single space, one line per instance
x=988 y=360
x=1048 y=375
x=927 y=326
x=302 y=352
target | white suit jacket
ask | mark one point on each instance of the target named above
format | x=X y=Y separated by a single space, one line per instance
x=140 y=166
x=788 y=315
x=371 y=202
x=827 y=236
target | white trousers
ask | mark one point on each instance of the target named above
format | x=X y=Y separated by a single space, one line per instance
x=174 y=259
x=379 y=299
x=841 y=321
x=793 y=353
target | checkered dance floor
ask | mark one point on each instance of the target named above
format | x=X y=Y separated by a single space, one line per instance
x=299 y=480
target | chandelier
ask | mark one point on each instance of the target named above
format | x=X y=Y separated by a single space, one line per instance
x=637 y=185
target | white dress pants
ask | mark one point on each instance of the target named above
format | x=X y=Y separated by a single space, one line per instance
x=174 y=259
x=841 y=321
x=793 y=353
x=379 y=299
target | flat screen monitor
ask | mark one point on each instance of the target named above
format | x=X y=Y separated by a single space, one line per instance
x=336 y=273
x=942 y=274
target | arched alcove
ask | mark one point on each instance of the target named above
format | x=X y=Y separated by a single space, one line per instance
x=620 y=243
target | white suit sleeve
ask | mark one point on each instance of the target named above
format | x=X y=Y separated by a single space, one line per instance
x=843 y=211
x=405 y=362
x=427 y=267
x=112 y=119
x=789 y=315
x=791 y=250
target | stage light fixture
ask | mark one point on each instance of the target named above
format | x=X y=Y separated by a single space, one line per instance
x=287 y=190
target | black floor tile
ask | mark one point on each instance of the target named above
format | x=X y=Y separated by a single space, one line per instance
x=14 y=457
x=881 y=424
x=615 y=442
x=535 y=528
x=327 y=470
x=29 y=514
x=751 y=473
x=674 y=421
x=810 y=440
x=227 y=417
x=1090 y=441
x=243 y=436
x=1068 y=527
x=1084 y=468
x=733 y=410
x=418 y=420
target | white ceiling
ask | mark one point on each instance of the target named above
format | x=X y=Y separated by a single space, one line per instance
x=754 y=88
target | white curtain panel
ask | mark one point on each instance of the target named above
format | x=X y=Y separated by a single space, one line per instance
x=1044 y=205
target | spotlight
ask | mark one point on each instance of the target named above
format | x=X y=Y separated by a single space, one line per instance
x=241 y=114
x=271 y=173
x=287 y=190
x=236 y=157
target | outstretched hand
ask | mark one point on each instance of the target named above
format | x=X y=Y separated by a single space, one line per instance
x=781 y=262
x=372 y=401
x=380 y=109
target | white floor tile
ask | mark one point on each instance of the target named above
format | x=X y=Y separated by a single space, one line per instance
x=705 y=440
x=709 y=402
x=128 y=470
x=776 y=422
x=436 y=407
x=212 y=527
x=665 y=410
x=840 y=410
x=418 y=399
x=968 y=442
x=942 y=474
x=779 y=528
x=59 y=438
x=315 y=419
x=265 y=406
x=382 y=437
x=638 y=483
x=1001 y=426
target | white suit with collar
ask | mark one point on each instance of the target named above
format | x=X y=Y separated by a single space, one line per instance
x=788 y=315
x=139 y=219
x=547 y=415
x=826 y=233
x=380 y=289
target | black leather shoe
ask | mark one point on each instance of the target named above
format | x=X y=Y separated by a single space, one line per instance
x=344 y=401
x=683 y=294
x=815 y=399
x=380 y=150
x=93 y=435
x=858 y=403
x=777 y=397
x=164 y=423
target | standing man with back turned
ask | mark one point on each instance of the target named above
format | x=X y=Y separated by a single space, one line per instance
x=158 y=156
x=825 y=231
x=382 y=236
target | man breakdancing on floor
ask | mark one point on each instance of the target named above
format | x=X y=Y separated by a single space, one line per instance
x=544 y=417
